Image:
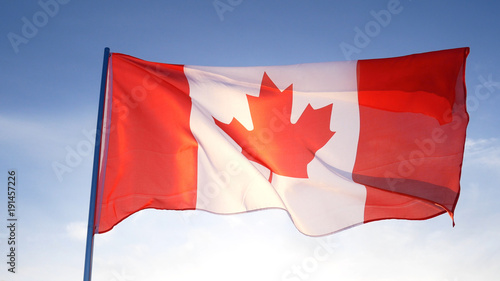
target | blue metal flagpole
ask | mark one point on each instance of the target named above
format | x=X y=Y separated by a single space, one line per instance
x=87 y=275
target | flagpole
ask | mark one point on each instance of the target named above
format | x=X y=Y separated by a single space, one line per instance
x=87 y=275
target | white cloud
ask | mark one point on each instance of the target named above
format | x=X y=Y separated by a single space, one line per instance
x=23 y=128
x=483 y=152
x=41 y=136
x=77 y=230
x=479 y=144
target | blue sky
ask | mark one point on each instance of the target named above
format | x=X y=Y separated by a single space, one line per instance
x=50 y=82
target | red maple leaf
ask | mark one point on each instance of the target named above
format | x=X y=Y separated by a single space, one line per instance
x=276 y=143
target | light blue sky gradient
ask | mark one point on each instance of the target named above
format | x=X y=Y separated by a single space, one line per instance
x=48 y=104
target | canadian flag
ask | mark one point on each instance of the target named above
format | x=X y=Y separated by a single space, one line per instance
x=335 y=144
